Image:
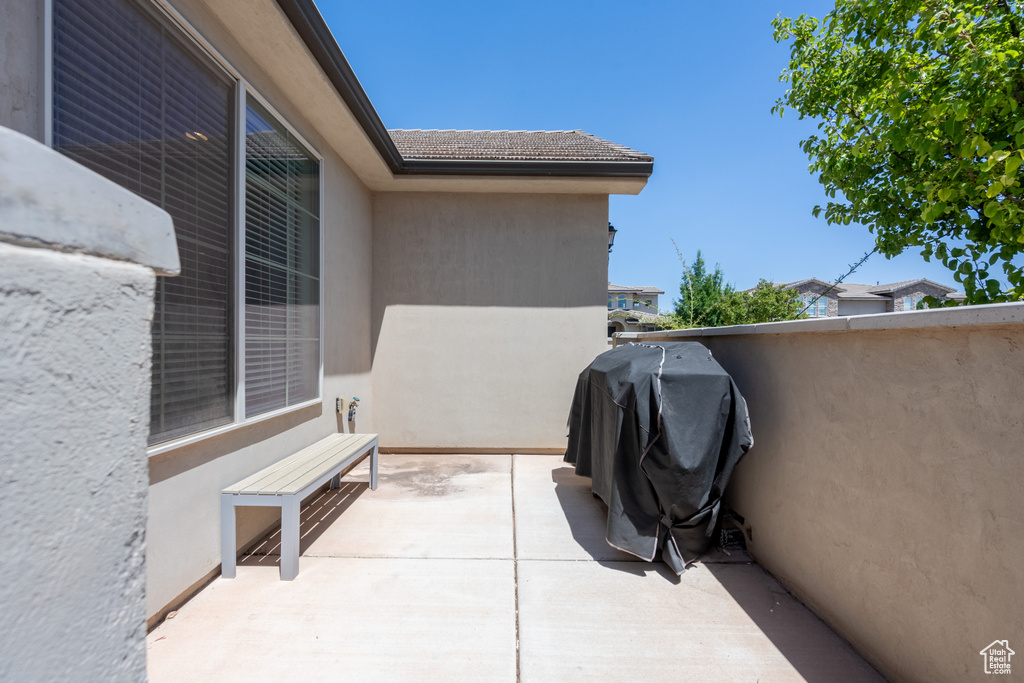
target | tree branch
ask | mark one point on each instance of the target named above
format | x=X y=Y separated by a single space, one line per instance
x=1009 y=18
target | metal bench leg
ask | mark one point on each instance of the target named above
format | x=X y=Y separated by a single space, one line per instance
x=228 y=548
x=290 y=537
x=373 y=469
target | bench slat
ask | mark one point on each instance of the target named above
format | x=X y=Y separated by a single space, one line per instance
x=252 y=483
x=322 y=451
x=308 y=470
x=253 y=480
x=297 y=468
x=284 y=477
x=322 y=468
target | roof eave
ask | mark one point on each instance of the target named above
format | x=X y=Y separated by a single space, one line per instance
x=890 y=289
x=311 y=27
x=813 y=280
x=594 y=169
x=862 y=297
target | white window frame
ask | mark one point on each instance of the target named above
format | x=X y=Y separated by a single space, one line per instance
x=243 y=91
x=812 y=303
x=914 y=301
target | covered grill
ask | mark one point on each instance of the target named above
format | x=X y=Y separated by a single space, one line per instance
x=658 y=427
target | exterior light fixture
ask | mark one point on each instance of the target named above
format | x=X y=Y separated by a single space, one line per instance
x=611 y=236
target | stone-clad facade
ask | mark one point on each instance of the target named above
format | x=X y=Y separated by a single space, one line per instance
x=858 y=299
x=917 y=290
x=632 y=309
x=817 y=288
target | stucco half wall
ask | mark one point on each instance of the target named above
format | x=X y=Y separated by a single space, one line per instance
x=486 y=307
x=75 y=351
x=884 y=486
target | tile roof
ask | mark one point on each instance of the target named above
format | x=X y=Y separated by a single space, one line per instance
x=796 y=284
x=856 y=291
x=511 y=145
x=853 y=290
x=642 y=316
x=627 y=288
x=441 y=153
x=893 y=286
x=811 y=280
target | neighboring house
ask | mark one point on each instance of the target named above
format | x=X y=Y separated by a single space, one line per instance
x=821 y=299
x=632 y=309
x=322 y=255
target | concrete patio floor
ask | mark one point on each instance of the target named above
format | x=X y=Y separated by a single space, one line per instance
x=487 y=568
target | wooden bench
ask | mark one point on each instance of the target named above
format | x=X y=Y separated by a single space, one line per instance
x=285 y=484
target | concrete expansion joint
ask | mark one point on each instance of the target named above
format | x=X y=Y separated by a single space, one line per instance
x=571 y=582
x=515 y=556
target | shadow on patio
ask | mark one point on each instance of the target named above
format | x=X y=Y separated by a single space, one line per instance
x=488 y=567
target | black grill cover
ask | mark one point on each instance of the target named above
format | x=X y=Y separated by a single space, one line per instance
x=658 y=427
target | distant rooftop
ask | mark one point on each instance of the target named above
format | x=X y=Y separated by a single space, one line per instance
x=511 y=145
x=893 y=286
x=627 y=288
x=634 y=315
x=852 y=290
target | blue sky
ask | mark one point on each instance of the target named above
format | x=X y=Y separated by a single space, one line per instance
x=683 y=81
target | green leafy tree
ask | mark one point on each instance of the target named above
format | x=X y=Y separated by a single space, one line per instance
x=921 y=129
x=766 y=303
x=707 y=300
x=702 y=295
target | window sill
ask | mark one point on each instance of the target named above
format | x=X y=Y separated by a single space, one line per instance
x=166 y=446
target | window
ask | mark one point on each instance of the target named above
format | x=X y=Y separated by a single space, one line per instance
x=282 y=267
x=636 y=303
x=611 y=301
x=137 y=102
x=910 y=303
x=815 y=306
x=622 y=300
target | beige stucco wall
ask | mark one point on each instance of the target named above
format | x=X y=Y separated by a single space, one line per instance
x=460 y=281
x=884 y=486
x=485 y=310
x=184 y=508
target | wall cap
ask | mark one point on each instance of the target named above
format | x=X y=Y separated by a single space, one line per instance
x=988 y=314
x=48 y=200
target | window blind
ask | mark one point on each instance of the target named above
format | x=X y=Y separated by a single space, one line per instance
x=141 y=107
x=282 y=267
